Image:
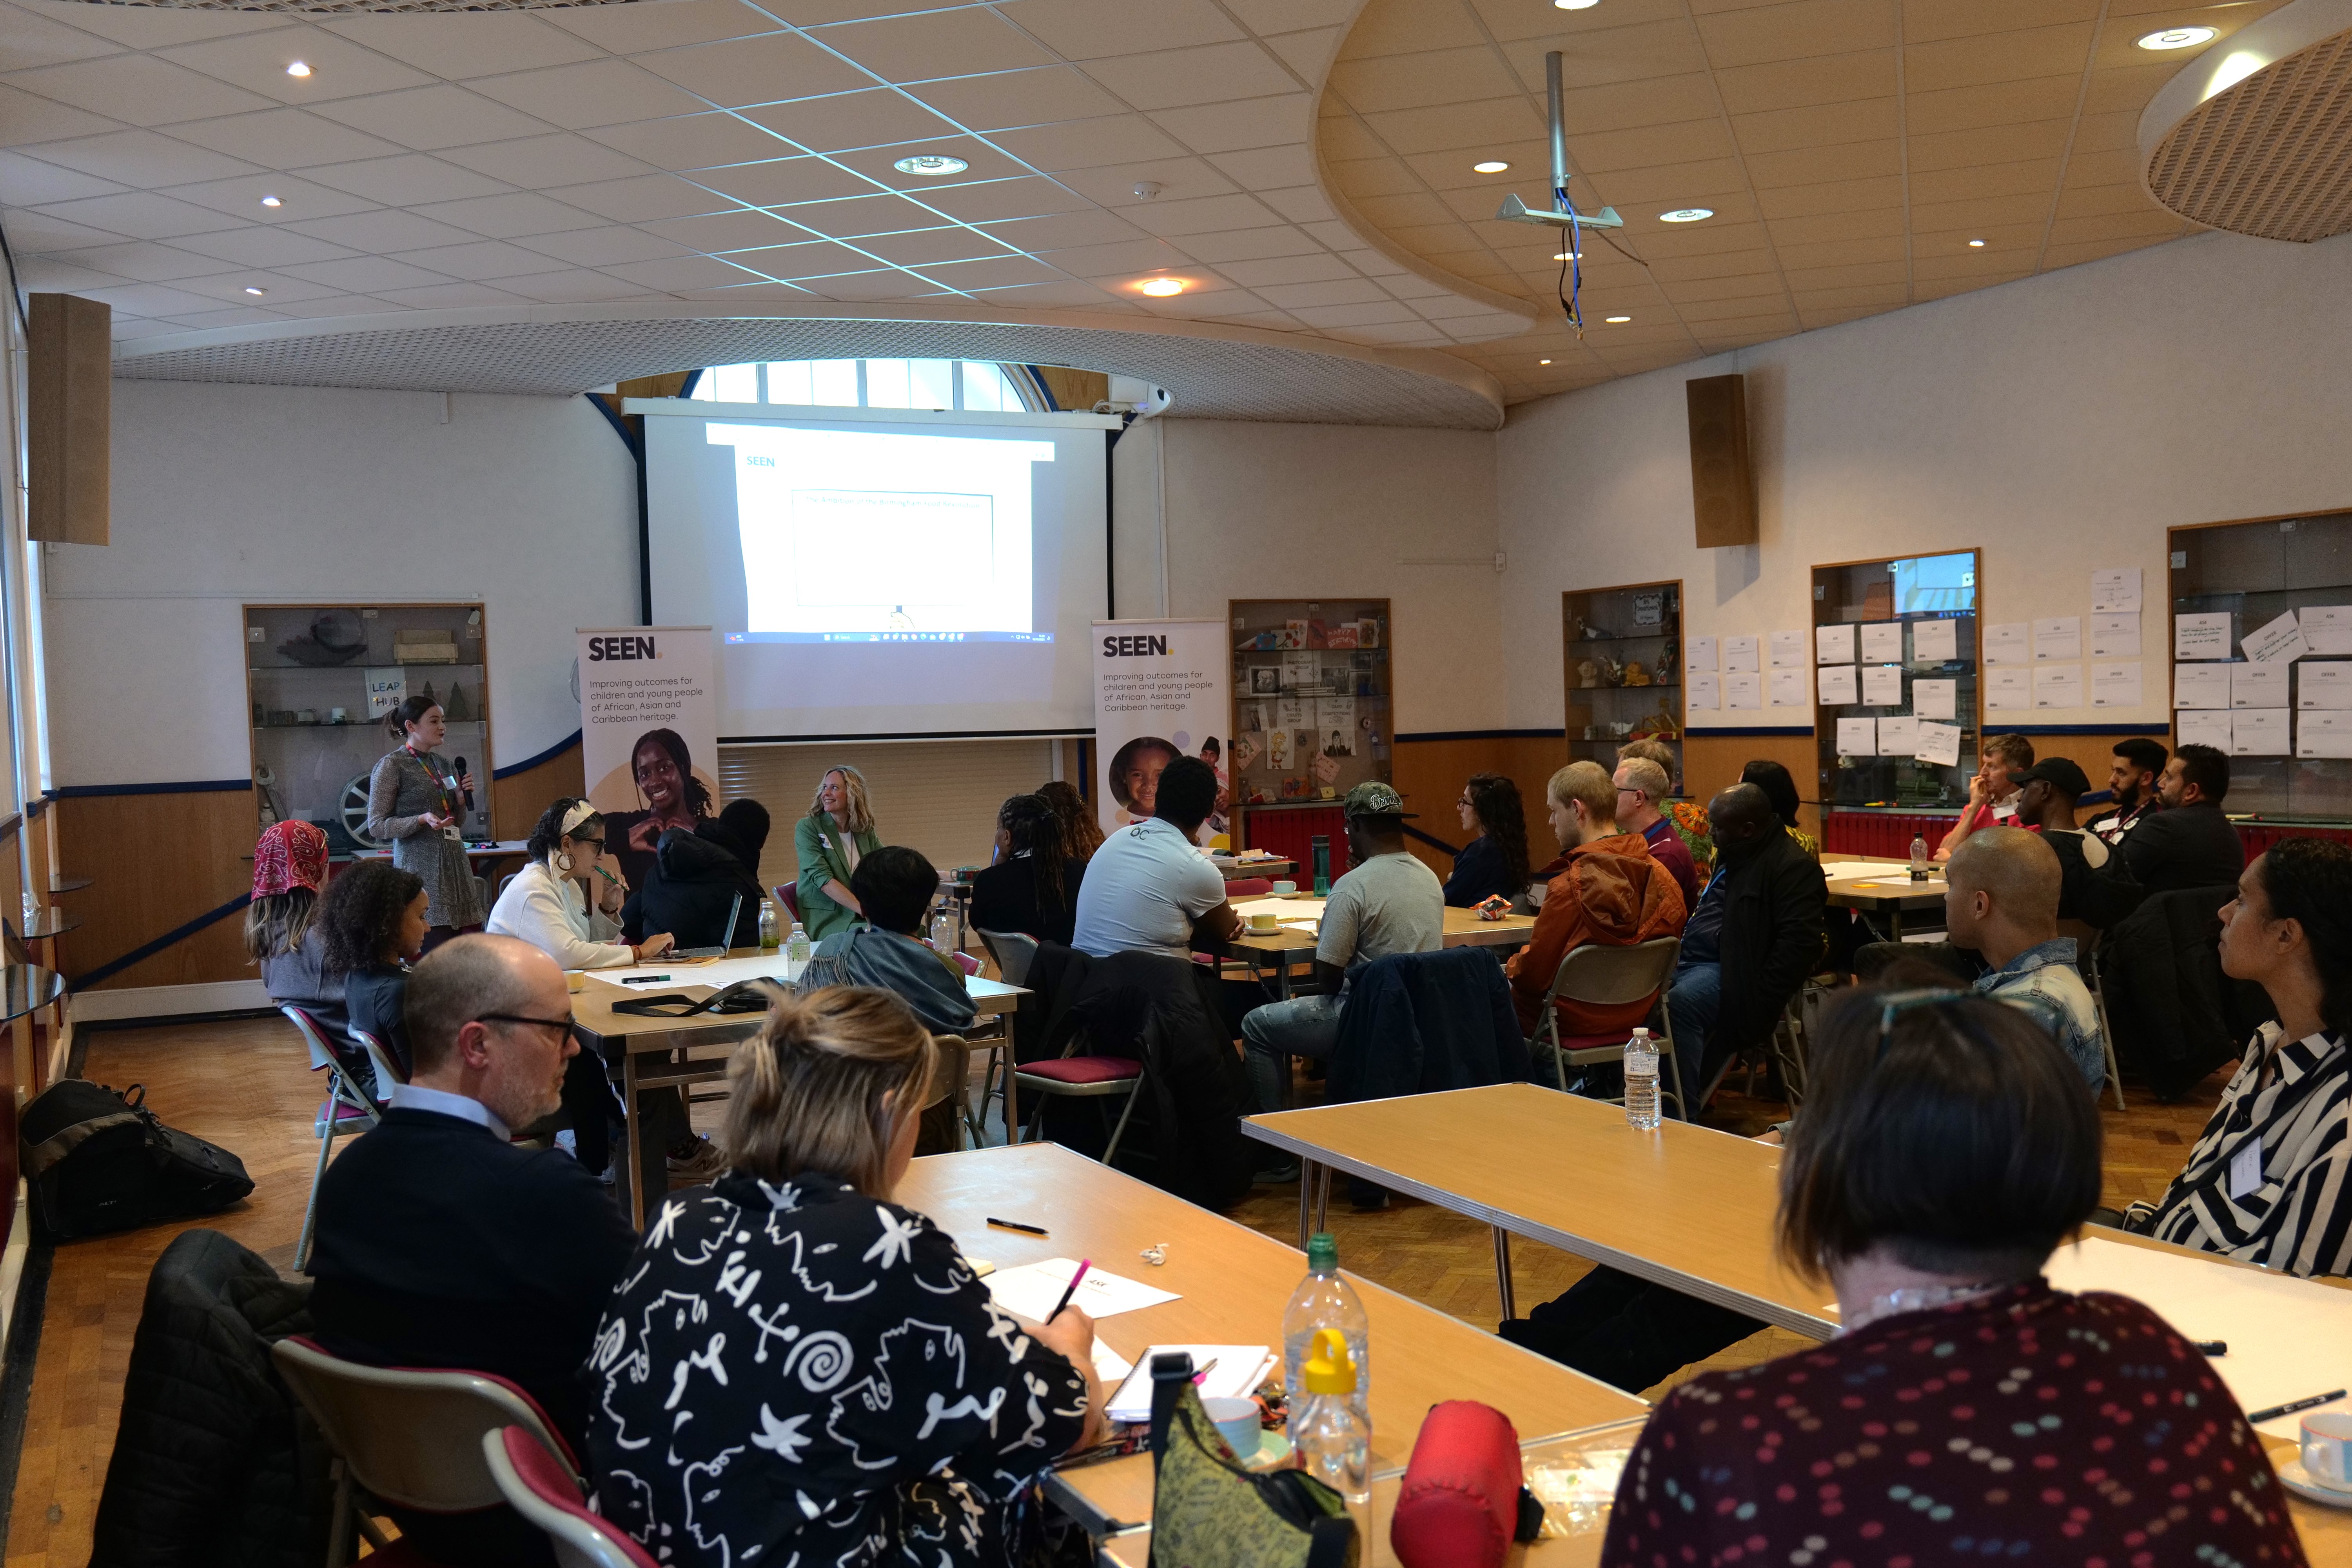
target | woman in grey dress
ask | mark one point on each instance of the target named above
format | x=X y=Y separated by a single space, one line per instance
x=416 y=804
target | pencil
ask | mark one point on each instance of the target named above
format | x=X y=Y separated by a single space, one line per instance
x=1084 y=1264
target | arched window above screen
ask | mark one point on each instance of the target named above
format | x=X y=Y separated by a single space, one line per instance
x=977 y=385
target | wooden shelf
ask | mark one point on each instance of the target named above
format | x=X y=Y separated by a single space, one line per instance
x=61 y=883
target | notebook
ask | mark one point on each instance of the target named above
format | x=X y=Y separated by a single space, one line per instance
x=1237 y=1372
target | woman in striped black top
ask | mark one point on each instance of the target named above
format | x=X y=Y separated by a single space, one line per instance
x=2270 y=1180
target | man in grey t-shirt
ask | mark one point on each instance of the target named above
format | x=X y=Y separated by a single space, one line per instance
x=1389 y=903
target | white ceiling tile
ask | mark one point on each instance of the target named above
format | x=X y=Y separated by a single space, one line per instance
x=406 y=181
x=46 y=274
x=1299 y=204
x=27 y=117
x=258 y=246
x=538 y=163
x=454 y=47
x=781 y=181
x=934 y=43
x=1316 y=268
x=330 y=305
x=1250 y=244
x=426 y=118
x=927 y=247
x=1309 y=53
x=1354 y=315
x=150 y=299
x=1268 y=168
x=240 y=197
x=1336 y=234
x=1121 y=255
x=756 y=70
x=693 y=141
x=244 y=316
x=1216 y=72
x=1089 y=143
x=1087 y=29
x=712 y=233
x=1019 y=97
x=598 y=92
x=31 y=231
x=1286 y=120
x=25 y=181
x=857 y=286
x=157 y=27
x=992 y=201
x=578 y=286
x=1068 y=293
x=282 y=139
x=870 y=119
x=854 y=216
x=1207 y=215
x=143 y=261
x=992 y=272
x=603 y=246
x=481 y=261
x=139 y=214
x=644 y=198
x=450 y=297
x=28 y=40
x=1179 y=178
x=628 y=29
x=680 y=272
x=257 y=62
x=363 y=274
x=813 y=258
x=508 y=216
x=747 y=293
x=1065 y=229
x=379 y=232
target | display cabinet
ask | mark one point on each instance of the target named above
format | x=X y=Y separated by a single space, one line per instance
x=1624 y=656
x=1312 y=706
x=1908 y=656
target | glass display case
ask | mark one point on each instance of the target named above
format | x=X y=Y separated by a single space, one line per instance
x=320 y=680
x=1312 y=701
x=1624 y=649
x=1910 y=657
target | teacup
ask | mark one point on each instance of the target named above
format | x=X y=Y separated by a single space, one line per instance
x=2327 y=1448
x=1237 y=1422
x=1262 y=922
x=575 y=980
x=1286 y=887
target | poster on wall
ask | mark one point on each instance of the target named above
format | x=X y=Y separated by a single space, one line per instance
x=1160 y=694
x=648 y=731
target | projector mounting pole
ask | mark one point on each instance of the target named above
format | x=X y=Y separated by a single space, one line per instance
x=1561 y=212
x=1558 y=122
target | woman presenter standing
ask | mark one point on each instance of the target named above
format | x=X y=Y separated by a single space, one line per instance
x=416 y=804
x=828 y=844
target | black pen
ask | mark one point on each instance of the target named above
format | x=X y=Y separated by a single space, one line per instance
x=1016 y=1224
x=2212 y=1347
x=2255 y=1417
x=645 y=980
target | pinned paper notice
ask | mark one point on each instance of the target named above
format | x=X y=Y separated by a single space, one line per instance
x=2202 y=727
x=1837 y=685
x=1789 y=689
x=1882 y=685
x=2116 y=636
x=1899 y=737
x=1789 y=650
x=1743 y=688
x=1940 y=745
x=2115 y=685
x=2260 y=733
x=2057 y=686
x=2059 y=636
x=2009 y=642
x=2323 y=685
x=2258 y=685
x=1739 y=654
x=1858 y=737
x=1702 y=654
x=2201 y=685
x=2009 y=690
x=2324 y=734
x=1704 y=689
x=2326 y=628
x=1936 y=699
x=2276 y=642
x=1833 y=645
x=2115 y=588
x=2201 y=636
x=1932 y=642
x=1882 y=642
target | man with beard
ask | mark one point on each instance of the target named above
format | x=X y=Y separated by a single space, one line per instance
x=2139 y=764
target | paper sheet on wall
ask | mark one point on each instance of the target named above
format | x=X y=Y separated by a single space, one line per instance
x=2117 y=685
x=2322 y=685
x=1940 y=745
x=2009 y=690
x=1701 y=655
x=2201 y=685
x=2201 y=636
x=1899 y=736
x=2260 y=733
x=2323 y=733
x=1882 y=642
x=2326 y=628
x=2057 y=686
x=2202 y=727
x=2009 y=642
x=2058 y=636
x=2116 y=636
x=1789 y=650
x=1882 y=685
x=1935 y=641
x=1740 y=654
x=1858 y=737
x=1743 y=688
x=2277 y=641
x=1837 y=684
x=1789 y=689
x=1704 y=689
x=1833 y=645
x=2115 y=588
x=1936 y=699
x=2258 y=685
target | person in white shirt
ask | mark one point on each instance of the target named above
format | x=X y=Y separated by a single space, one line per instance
x=549 y=904
x=1148 y=888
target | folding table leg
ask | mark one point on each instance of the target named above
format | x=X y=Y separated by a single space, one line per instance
x=1502 y=1272
x=1308 y=1170
x=633 y=1168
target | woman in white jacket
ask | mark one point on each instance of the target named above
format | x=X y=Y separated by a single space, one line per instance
x=564 y=903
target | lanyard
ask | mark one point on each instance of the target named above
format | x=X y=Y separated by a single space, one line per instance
x=443 y=787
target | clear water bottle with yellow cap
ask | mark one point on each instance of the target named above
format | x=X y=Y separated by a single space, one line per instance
x=1333 y=1442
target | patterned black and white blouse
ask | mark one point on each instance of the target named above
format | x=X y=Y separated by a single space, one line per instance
x=799 y=1375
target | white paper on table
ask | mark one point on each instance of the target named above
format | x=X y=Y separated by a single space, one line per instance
x=2009 y=642
x=1932 y=642
x=2116 y=636
x=1837 y=683
x=1858 y=737
x=1740 y=654
x=1743 y=688
x=1110 y=1367
x=1704 y=688
x=2260 y=733
x=1882 y=642
x=2008 y=691
x=2057 y=686
x=1239 y=1370
x=2115 y=588
x=2202 y=727
x=2258 y=685
x=1899 y=736
x=1702 y=654
x=2324 y=685
x=1788 y=649
x=2117 y=685
x=1882 y=685
x=1833 y=645
x=1789 y=689
x=2201 y=685
x=1031 y=1290
x=2201 y=636
x=2058 y=636
x=2326 y=628
x=2277 y=641
x=2323 y=733
x=1939 y=743
x=1936 y=699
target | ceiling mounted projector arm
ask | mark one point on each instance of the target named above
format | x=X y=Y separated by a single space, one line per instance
x=1563 y=214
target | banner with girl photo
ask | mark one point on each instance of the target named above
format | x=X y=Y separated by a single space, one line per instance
x=648 y=734
x=1161 y=693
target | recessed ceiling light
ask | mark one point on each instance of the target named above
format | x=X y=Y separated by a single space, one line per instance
x=1616 y=320
x=1545 y=361
x=298 y=68
x=1576 y=4
x=1975 y=245
x=271 y=201
x=1491 y=166
x=2177 y=38
x=1686 y=215
x=1160 y=288
x=932 y=163
x=251 y=289
x=1569 y=255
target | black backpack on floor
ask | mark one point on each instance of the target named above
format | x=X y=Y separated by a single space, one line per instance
x=96 y=1160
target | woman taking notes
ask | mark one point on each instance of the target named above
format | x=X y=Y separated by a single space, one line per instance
x=837 y=833
x=566 y=905
x=795 y=1369
x=416 y=804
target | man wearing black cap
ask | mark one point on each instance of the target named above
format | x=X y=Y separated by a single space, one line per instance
x=2092 y=886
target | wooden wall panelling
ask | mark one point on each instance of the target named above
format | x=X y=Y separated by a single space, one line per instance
x=159 y=861
x=1711 y=765
x=1430 y=775
x=517 y=802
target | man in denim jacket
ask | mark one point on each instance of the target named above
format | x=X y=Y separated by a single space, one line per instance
x=2003 y=902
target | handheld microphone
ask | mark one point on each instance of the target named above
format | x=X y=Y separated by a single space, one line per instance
x=469 y=793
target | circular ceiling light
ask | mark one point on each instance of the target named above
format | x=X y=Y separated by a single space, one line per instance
x=1545 y=361
x=1975 y=245
x=2177 y=38
x=271 y=201
x=1569 y=256
x=1161 y=288
x=930 y=163
x=298 y=68
x=1491 y=166
x=1686 y=215
x=255 y=292
x=1576 y=4
x=1616 y=320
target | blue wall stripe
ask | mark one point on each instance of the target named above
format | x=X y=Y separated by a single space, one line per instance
x=176 y=786
x=1553 y=733
x=547 y=755
x=106 y=970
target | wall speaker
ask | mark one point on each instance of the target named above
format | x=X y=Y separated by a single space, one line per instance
x=68 y=375
x=1723 y=485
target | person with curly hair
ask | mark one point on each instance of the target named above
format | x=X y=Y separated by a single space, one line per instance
x=1080 y=832
x=1034 y=886
x=663 y=771
x=374 y=920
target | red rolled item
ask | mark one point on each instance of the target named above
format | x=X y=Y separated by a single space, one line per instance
x=1459 y=1506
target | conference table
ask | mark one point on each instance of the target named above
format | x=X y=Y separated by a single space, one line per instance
x=1882 y=887
x=1299 y=917
x=1232 y=1284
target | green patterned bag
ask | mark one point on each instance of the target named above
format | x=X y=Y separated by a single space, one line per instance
x=1207 y=1511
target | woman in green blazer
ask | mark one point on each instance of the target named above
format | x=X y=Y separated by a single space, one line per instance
x=829 y=842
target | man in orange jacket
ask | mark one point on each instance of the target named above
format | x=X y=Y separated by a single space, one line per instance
x=1603 y=889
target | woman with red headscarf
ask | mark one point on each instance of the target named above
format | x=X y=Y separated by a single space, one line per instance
x=289 y=869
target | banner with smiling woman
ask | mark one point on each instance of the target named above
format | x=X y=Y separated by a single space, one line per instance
x=1159 y=694
x=648 y=734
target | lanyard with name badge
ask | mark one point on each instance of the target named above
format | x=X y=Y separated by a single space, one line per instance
x=2246 y=1169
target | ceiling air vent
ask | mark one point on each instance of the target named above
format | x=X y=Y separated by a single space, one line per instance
x=2255 y=136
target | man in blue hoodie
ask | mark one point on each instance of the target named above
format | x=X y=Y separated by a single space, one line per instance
x=895 y=886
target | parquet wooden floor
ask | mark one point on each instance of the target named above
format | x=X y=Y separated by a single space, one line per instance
x=246 y=1085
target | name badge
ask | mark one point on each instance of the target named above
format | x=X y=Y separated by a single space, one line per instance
x=2246 y=1170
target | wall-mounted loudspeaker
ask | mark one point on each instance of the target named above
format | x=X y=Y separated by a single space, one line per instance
x=68 y=375
x=1723 y=485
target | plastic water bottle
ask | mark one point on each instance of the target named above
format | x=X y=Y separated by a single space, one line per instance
x=1918 y=857
x=1325 y=1300
x=1642 y=1080
x=1328 y=1434
x=796 y=954
x=769 y=939
x=943 y=928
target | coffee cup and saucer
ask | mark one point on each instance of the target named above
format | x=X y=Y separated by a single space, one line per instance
x=2323 y=1472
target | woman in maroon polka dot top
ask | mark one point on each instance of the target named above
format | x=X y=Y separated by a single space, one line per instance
x=1968 y=1411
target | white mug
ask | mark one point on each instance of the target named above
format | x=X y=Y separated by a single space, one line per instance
x=2327 y=1448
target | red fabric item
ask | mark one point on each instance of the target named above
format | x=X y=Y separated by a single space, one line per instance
x=1609 y=891
x=289 y=855
x=547 y=1480
x=1459 y=1506
x=1084 y=1069
x=1248 y=887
